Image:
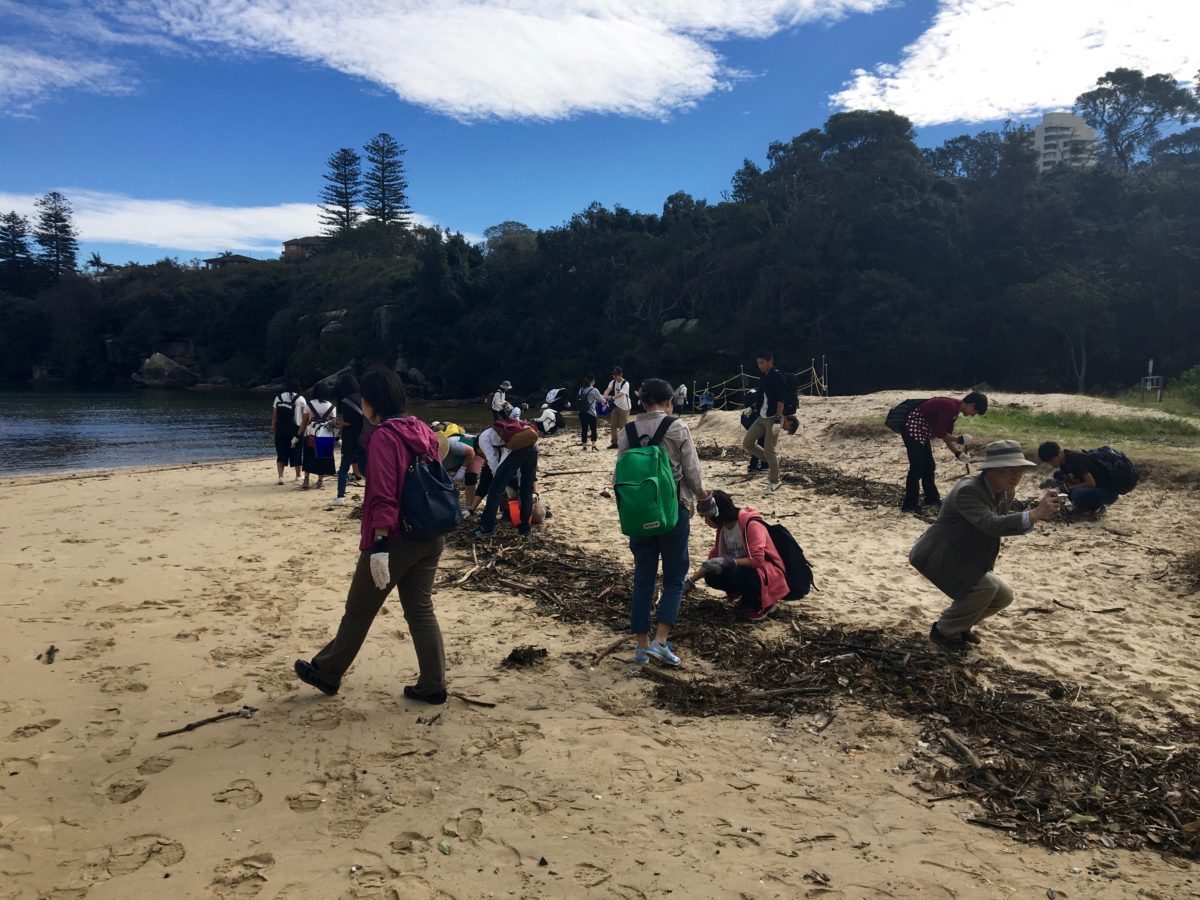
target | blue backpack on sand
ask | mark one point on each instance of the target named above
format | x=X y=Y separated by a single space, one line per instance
x=647 y=497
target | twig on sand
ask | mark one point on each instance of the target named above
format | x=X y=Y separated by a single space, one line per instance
x=245 y=712
x=1110 y=609
x=668 y=677
x=471 y=700
x=610 y=648
x=1065 y=605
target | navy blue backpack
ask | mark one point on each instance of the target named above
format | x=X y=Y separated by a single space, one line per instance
x=428 y=501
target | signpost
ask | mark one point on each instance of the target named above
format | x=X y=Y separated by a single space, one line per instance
x=1152 y=382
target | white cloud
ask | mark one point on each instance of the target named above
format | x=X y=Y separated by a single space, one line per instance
x=983 y=60
x=478 y=59
x=105 y=218
x=28 y=78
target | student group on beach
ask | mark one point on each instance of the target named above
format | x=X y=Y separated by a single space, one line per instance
x=423 y=481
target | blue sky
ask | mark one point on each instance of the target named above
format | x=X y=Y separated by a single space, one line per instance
x=182 y=128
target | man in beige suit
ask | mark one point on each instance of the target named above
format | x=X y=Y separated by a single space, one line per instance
x=958 y=551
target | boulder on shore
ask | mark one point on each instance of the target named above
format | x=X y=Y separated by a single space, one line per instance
x=159 y=371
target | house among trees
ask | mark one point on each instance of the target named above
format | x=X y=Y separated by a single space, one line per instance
x=229 y=259
x=304 y=247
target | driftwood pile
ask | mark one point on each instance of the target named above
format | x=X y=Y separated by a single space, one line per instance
x=1046 y=761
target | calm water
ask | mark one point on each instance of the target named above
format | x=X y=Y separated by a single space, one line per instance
x=55 y=431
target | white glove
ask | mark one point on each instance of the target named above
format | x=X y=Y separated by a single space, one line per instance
x=381 y=572
x=776 y=428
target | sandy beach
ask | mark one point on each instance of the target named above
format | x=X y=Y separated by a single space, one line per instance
x=177 y=594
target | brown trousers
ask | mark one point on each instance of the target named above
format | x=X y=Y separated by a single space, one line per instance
x=617 y=419
x=413 y=567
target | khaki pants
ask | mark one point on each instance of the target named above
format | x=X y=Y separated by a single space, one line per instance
x=987 y=598
x=617 y=419
x=413 y=567
x=763 y=427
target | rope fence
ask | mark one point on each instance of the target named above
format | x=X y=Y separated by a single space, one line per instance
x=731 y=393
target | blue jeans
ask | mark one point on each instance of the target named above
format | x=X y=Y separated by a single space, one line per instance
x=673 y=548
x=1089 y=499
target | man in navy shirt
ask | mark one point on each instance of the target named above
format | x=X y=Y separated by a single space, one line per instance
x=773 y=390
x=1088 y=483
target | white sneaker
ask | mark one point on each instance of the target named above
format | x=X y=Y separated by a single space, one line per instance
x=337 y=501
x=280 y=481
x=773 y=486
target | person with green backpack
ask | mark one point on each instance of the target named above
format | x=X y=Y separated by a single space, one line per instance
x=656 y=481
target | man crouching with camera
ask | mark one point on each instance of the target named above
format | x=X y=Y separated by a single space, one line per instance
x=958 y=550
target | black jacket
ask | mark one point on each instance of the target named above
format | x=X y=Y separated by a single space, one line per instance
x=774 y=386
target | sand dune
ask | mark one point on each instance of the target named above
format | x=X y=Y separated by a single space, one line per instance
x=172 y=595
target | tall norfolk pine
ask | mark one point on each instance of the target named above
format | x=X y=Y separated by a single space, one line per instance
x=385 y=188
x=55 y=235
x=342 y=193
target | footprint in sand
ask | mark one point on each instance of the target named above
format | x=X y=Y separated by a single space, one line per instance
x=241 y=793
x=154 y=764
x=411 y=847
x=245 y=877
x=466 y=827
x=233 y=695
x=322 y=718
x=28 y=731
x=124 y=790
x=304 y=801
x=591 y=876
x=14 y=766
x=115 y=754
x=134 y=852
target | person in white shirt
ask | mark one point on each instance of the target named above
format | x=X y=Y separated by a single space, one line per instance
x=319 y=417
x=284 y=426
x=681 y=395
x=618 y=389
x=500 y=400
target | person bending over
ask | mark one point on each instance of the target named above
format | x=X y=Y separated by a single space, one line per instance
x=933 y=419
x=1085 y=479
x=958 y=551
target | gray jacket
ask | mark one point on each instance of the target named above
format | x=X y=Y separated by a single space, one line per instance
x=962 y=545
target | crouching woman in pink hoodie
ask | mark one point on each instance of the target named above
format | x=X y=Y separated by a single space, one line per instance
x=743 y=561
x=385 y=559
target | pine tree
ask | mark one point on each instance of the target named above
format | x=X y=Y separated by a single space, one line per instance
x=55 y=235
x=341 y=193
x=385 y=189
x=16 y=259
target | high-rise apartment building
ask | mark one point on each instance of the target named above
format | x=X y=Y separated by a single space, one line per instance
x=1064 y=138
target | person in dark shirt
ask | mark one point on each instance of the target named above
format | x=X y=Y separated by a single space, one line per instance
x=773 y=388
x=350 y=421
x=933 y=419
x=1085 y=479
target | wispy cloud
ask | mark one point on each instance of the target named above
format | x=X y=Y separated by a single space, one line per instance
x=480 y=59
x=982 y=60
x=28 y=77
x=105 y=218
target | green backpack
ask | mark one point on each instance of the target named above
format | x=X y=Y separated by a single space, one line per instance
x=647 y=498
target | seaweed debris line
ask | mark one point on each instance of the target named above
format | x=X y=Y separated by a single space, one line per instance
x=1046 y=761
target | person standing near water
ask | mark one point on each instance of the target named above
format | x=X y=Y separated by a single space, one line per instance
x=350 y=421
x=385 y=560
x=284 y=428
x=318 y=419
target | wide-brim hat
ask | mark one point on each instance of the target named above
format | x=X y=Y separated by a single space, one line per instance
x=443 y=443
x=506 y=385
x=1003 y=455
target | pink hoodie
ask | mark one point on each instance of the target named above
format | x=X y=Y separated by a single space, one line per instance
x=392 y=448
x=761 y=549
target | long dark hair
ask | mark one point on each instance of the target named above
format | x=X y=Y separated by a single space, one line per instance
x=384 y=390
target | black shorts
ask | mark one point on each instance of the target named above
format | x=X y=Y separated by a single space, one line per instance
x=285 y=453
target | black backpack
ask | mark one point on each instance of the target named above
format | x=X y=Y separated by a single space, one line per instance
x=796 y=566
x=897 y=416
x=1122 y=473
x=582 y=404
x=428 y=501
x=791 y=394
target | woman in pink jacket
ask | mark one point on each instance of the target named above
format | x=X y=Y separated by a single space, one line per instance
x=385 y=559
x=743 y=561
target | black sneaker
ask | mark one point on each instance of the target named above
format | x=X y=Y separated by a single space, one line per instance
x=907 y=507
x=310 y=676
x=436 y=699
x=936 y=502
x=971 y=637
x=954 y=644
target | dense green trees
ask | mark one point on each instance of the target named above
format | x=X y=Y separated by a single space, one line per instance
x=935 y=268
x=385 y=186
x=55 y=235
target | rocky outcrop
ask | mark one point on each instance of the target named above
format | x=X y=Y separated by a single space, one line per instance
x=329 y=383
x=161 y=371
